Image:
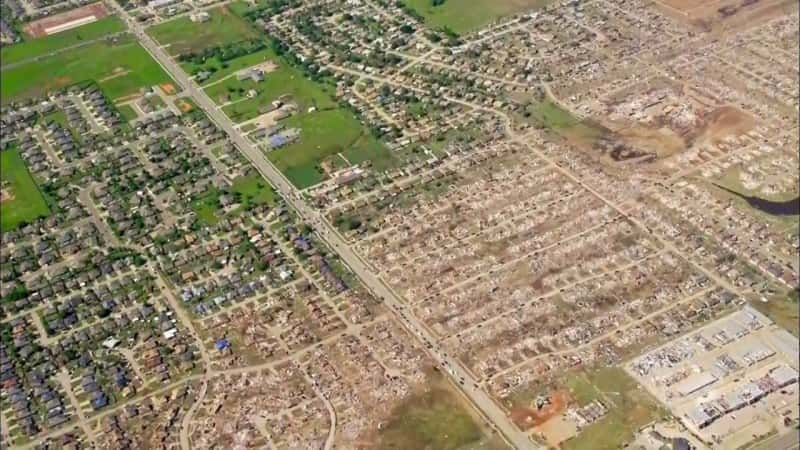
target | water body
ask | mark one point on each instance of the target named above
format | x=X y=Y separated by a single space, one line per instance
x=785 y=208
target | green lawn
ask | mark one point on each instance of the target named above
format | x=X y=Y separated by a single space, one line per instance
x=37 y=47
x=254 y=190
x=549 y=115
x=183 y=36
x=629 y=408
x=430 y=420
x=119 y=69
x=127 y=112
x=208 y=208
x=27 y=203
x=463 y=16
x=323 y=135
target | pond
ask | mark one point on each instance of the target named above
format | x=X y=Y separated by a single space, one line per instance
x=784 y=208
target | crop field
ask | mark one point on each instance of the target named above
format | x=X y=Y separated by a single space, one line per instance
x=120 y=68
x=323 y=136
x=463 y=16
x=182 y=35
x=37 y=47
x=22 y=202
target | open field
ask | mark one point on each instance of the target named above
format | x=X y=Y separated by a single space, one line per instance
x=120 y=69
x=127 y=112
x=629 y=408
x=48 y=44
x=325 y=134
x=253 y=190
x=463 y=16
x=21 y=199
x=207 y=208
x=182 y=35
x=221 y=70
x=433 y=419
x=549 y=115
x=784 y=310
x=285 y=80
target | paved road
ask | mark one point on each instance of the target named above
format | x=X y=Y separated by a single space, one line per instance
x=330 y=235
x=64 y=378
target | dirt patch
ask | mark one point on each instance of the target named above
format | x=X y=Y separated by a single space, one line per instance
x=168 y=88
x=557 y=430
x=37 y=28
x=118 y=72
x=57 y=83
x=527 y=418
x=6 y=195
x=728 y=121
x=224 y=10
x=184 y=106
x=662 y=142
x=723 y=15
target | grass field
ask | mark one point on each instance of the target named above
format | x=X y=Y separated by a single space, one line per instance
x=430 y=420
x=182 y=35
x=463 y=16
x=27 y=203
x=37 y=47
x=127 y=112
x=232 y=66
x=119 y=69
x=207 y=208
x=549 y=115
x=784 y=310
x=253 y=190
x=285 y=80
x=629 y=408
x=323 y=135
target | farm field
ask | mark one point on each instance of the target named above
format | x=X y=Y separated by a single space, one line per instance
x=22 y=201
x=182 y=35
x=323 y=136
x=463 y=16
x=37 y=47
x=120 y=68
